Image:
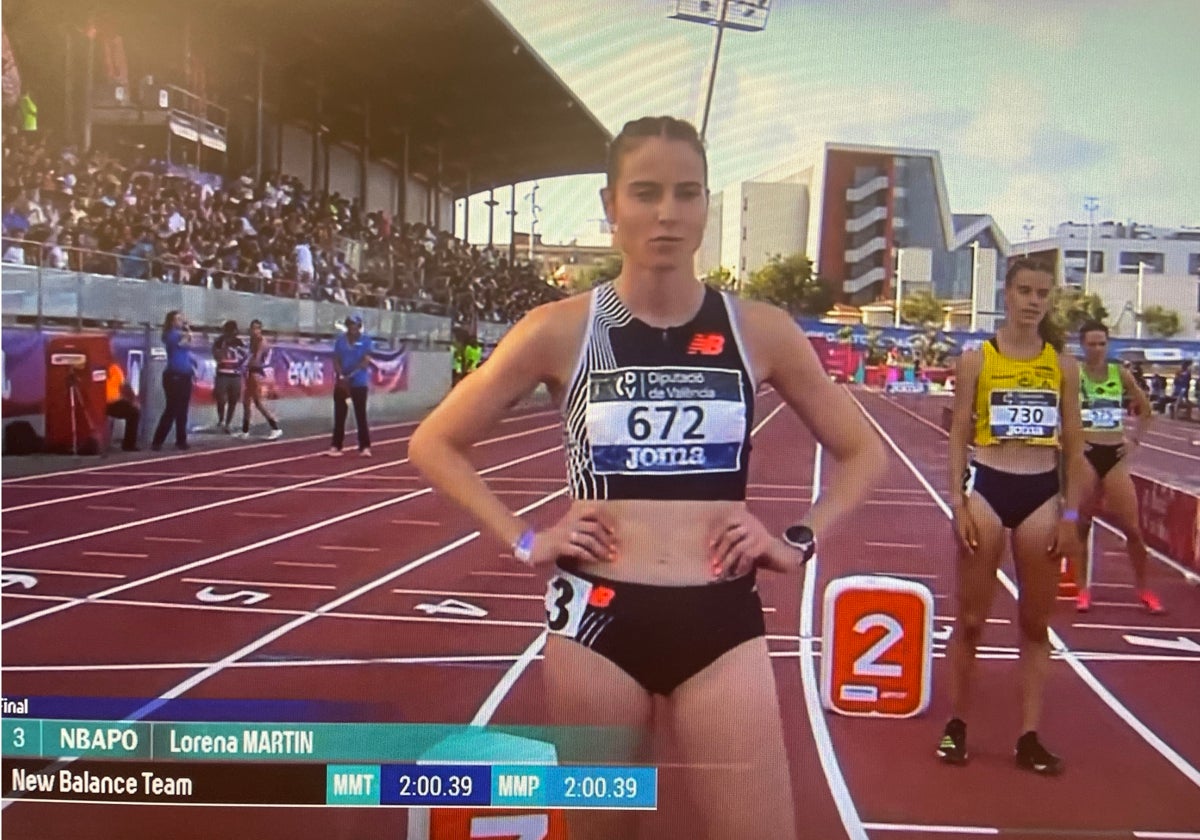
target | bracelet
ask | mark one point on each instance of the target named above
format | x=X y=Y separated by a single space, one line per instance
x=523 y=548
x=1070 y=515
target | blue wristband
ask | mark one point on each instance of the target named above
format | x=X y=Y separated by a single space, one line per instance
x=523 y=547
x=1070 y=515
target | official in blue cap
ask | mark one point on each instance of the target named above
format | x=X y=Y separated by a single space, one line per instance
x=351 y=364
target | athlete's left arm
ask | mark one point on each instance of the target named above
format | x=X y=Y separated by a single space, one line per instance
x=1141 y=404
x=783 y=356
x=1075 y=466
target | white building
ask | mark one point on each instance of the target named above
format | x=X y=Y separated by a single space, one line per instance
x=1169 y=260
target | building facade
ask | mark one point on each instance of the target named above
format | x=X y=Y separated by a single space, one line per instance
x=866 y=216
x=1164 y=262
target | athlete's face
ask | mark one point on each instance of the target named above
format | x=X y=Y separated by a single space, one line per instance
x=1027 y=296
x=1095 y=346
x=659 y=204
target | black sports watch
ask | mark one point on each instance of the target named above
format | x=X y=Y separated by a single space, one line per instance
x=801 y=538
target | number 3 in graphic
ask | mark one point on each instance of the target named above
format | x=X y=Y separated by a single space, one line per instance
x=566 y=592
x=868 y=664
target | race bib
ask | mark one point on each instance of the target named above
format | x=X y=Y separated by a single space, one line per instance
x=566 y=599
x=1023 y=414
x=1103 y=415
x=665 y=421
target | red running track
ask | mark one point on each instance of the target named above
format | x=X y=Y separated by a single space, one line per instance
x=346 y=550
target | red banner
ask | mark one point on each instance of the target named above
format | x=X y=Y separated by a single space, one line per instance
x=1170 y=520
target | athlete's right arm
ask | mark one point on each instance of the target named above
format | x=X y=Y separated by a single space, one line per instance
x=439 y=448
x=961 y=430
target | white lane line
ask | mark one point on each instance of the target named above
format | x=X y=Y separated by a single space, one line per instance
x=1145 y=627
x=242 y=499
x=354 y=549
x=183 y=456
x=1177 y=453
x=1107 y=697
x=175 y=605
x=188 y=540
x=14 y=530
x=466 y=659
x=243 y=549
x=933 y=829
x=894 y=545
x=898 y=503
x=306 y=565
x=1168 y=835
x=267 y=638
x=506 y=574
x=484 y=715
x=950 y=619
x=449 y=594
x=116 y=508
x=920 y=575
x=1165 y=435
x=838 y=789
x=415 y=522
x=1094 y=585
x=67 y=572
x=245 y=514
x=119 y=555
x=177 y=478
x=269 y=584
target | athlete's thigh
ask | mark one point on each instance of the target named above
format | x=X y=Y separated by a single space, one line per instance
x=584 y=689
x=1037 y=569
x=975 y=578
x=1120 y=498
x=1093 y=491
x=727 y=724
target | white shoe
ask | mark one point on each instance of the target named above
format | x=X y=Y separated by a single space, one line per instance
x=275 y=434
x=364 y=453
x=333 y=452
x=242 y=435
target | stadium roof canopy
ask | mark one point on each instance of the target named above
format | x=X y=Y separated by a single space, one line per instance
x=452 y=73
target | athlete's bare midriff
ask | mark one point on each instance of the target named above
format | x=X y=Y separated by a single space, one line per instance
x=1015 y=456
x=662 y=542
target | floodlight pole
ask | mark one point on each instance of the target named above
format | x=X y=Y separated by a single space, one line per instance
x=974 y=284
x=1137 y=316
x=712 y=68
x=1091 y=204
x=899 y=260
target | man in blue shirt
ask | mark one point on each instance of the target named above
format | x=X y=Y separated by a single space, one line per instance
x=351 y=365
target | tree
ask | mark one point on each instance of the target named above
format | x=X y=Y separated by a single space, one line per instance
x=603 y=271
x=930 y=350
x=1070 y=308
x=876 y=352
x=789 y=283
x=1161 y=322
x=922 y=309
x=721 y=278
x=845 y=334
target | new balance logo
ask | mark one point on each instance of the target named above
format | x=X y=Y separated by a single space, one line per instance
x=706 y=344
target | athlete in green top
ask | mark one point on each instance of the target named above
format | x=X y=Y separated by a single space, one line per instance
x=1103 y=387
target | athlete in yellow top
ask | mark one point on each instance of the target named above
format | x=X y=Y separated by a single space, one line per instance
x=1103 y=388
x=1017 y=403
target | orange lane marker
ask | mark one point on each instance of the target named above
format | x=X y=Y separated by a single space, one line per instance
x=249 y=515
x=415 y=522
x=115 y=554
x=117 y=508
x=361 y=549
x=306 y=565
x=191 y=540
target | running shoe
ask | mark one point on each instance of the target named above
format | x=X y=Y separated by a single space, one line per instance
x=225 y=429
x=1031 y=755
x=953 y=747
x=333 y=452
x=242 y=435
x=275 y=434
x=364 y=452
x=1151 y=602
x=1083 y=601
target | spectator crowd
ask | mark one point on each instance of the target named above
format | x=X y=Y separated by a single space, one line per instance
x=135 y=218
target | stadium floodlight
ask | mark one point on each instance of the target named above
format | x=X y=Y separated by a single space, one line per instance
x=742 y=15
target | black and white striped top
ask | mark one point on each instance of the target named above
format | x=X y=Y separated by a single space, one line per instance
x=653 y=413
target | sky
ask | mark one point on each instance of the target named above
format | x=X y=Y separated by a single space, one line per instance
x=1033 y=105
